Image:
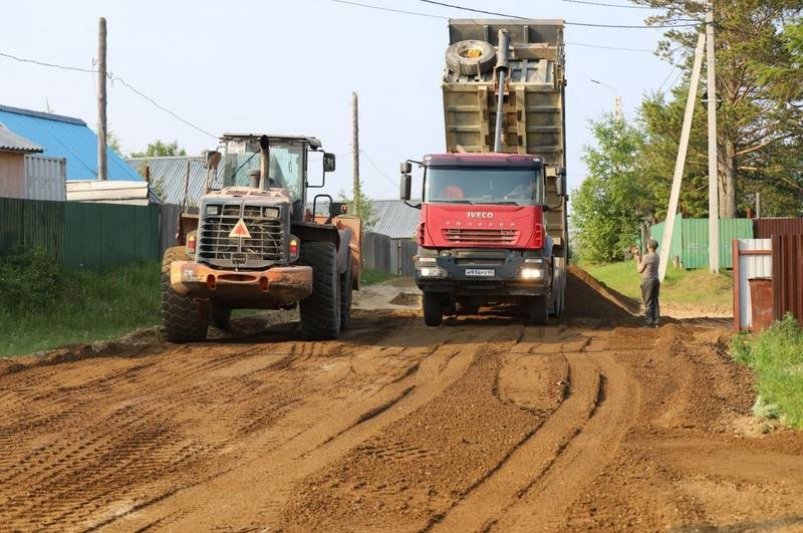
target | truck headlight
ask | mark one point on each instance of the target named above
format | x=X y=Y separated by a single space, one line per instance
x=271 y=212
x=532 y=273
x=431 y=272
x=213 y=210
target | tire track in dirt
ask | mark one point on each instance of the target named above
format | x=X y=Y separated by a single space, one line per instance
x=534 y=458
x=128 y=434
x=319 y=431
x=580 y=449
x=411 y=474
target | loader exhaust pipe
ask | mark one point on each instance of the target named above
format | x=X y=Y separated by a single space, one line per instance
x=264 y=162
x=501 y=71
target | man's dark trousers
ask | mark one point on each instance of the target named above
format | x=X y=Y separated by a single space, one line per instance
x=649 y=295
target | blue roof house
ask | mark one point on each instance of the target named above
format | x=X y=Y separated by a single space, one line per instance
x=69 y=138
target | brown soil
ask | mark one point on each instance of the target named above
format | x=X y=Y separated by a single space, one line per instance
x=483 y=424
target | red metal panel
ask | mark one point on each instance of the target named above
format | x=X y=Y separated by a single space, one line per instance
x=765 y=228
x=787 y=276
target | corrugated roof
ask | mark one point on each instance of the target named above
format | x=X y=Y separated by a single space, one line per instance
x=168 y=174
x=12 y=142
x=66 y=137
x=395 y=219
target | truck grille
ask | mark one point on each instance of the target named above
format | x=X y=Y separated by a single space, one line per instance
x=265 y=247
x=480 y=236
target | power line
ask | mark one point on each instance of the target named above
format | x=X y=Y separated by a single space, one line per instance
x=568 y=23
x=604 y=47
x=163 y=108
x=606 y=4
x=45 y=64
x=112 y=78
x=379 y=170
x=390 y=9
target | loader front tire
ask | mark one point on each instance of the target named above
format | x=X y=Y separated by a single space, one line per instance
x=184 y=319
x=345 y=294
x=320 y=312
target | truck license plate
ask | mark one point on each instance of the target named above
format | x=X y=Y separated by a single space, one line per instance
x=480 y=272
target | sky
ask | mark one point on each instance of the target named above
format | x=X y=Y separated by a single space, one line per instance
x=291 y=66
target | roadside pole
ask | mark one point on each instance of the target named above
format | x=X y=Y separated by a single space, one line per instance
x=355 y=147
x=674 y=196
x=713 y=189
x=102 y=165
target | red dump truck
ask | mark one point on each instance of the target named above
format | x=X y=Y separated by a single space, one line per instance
x=493 y=225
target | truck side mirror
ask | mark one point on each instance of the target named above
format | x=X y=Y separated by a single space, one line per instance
x=328 y=162
x=406 y=180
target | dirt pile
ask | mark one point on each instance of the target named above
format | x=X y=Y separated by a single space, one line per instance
x=587 y=298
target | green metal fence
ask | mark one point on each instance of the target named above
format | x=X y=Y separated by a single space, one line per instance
x=690 y=239
x=82 y=234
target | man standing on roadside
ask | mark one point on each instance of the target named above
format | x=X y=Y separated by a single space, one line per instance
x=647 y=266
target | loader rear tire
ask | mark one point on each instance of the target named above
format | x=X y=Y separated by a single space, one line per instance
x=345 y=294
x=320 y=312
x=433 y=309
x=221 y=316
x=184 y=319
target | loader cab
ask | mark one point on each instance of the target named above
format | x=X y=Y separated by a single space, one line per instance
x=285 y=160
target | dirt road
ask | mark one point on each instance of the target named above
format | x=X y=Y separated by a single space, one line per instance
x=480 y=425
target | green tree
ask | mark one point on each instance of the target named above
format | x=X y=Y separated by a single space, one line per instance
x=113 y=141
x=361 y=206
x=760 y=114
x=612 y=201
x=159 y=148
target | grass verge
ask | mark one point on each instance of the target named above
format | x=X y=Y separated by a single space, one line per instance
x=371 y=276
x=89 y=306
x=688 y=287
x=776 y=356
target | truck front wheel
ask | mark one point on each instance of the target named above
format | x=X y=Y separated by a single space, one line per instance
x=538 y=310
x=320 y=312
x=433 y=309
x=184 y=319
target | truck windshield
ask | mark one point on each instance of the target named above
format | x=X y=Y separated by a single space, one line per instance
x=284 y=171
x=490 y=185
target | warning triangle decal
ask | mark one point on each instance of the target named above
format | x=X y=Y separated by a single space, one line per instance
x=240 y=230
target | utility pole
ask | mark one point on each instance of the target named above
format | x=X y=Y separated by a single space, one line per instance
x=674 y=196
x=355 y=146
x=713 y=186
x=102 y=166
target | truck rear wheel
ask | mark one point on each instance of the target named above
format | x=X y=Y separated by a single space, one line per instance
x=345 y=294
x=184 y=319
x=433 y=309
x=320 y=312
x=538 y=310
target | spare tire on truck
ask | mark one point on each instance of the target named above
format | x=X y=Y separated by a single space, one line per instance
x=320 y=312
x=471 y=58
x=184 y=319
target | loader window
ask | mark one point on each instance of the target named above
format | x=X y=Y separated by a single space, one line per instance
x=284 y=169
x=490 y=185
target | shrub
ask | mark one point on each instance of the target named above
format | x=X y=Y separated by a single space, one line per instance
x=776 y=355
x=31 y=280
